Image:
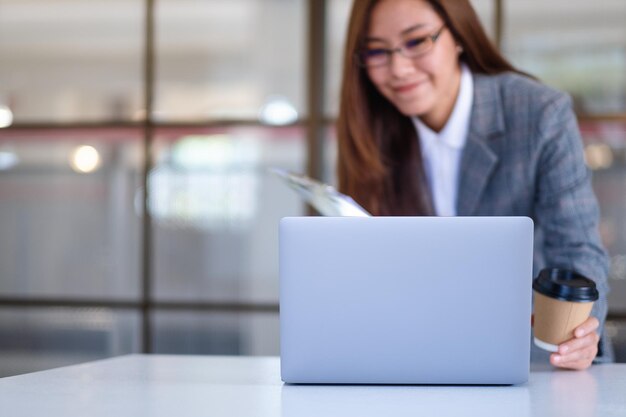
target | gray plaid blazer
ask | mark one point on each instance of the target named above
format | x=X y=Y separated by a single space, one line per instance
x=524 y=157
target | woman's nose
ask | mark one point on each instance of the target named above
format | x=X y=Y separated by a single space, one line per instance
x=399 y=65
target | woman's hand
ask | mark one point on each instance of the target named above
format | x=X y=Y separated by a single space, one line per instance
x=579 y=352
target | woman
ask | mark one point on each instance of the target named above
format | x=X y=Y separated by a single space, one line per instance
x=434 y=121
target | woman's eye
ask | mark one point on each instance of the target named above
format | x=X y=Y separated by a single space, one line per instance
x=373 y=53
x=414 y=43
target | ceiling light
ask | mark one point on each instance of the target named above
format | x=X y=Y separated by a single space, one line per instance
x=85 y=159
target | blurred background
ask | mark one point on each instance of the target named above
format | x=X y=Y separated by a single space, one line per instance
x=136 y=212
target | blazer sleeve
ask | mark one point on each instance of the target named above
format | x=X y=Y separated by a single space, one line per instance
x=566 y=208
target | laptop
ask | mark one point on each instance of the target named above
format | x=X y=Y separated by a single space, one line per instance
x=405 y=300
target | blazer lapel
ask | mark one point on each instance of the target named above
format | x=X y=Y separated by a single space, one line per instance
x=479 y=160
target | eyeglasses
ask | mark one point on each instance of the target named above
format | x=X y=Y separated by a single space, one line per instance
x=411 y=48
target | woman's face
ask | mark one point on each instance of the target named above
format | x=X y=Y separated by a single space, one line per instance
x=425 y=86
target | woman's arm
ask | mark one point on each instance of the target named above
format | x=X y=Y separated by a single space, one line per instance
x=567 y=211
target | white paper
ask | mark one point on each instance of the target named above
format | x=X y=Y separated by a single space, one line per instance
x=325 y=198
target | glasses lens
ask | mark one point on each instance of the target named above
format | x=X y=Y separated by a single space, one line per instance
x=373 y=57
x=417 y=46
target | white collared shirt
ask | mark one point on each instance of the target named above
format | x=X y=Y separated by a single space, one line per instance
x=441 y=152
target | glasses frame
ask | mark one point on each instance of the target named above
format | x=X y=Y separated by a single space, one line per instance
x=401 y=50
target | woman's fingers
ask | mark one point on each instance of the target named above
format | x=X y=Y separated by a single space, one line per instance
x=576 y=365
x=578 y=343
x=579 y=352
x=590 y=325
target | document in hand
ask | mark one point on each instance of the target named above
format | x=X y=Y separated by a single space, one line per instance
x=325 y=198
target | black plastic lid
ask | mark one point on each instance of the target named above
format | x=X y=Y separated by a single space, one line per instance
x=565 y=285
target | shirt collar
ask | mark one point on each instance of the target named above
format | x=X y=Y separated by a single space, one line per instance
x=454 y=133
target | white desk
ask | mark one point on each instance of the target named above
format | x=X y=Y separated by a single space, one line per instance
x=213 y=386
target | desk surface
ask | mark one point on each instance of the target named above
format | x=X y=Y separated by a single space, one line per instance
x=180 y=386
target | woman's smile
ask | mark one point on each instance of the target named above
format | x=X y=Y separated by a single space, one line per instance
x=407 y=88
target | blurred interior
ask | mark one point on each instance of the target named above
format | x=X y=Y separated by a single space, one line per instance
x=218 y=93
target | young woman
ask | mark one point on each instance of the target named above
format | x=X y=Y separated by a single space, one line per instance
x=434 y=121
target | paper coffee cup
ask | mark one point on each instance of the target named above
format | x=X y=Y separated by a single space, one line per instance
x=563 y=301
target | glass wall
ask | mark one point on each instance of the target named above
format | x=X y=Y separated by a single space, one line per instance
x=230 y=60
x=71 y=60
x=229 y=103
x=184 y=332
x=80 y=277
x=577 y=46
x=37 y=338
x=69 y=224
x=216 y=207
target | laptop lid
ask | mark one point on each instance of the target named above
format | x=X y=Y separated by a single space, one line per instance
x=405 y=300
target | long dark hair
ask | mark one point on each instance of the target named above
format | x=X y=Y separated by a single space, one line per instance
x=379 y=161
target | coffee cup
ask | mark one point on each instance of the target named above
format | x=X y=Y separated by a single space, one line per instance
x=563 y=301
